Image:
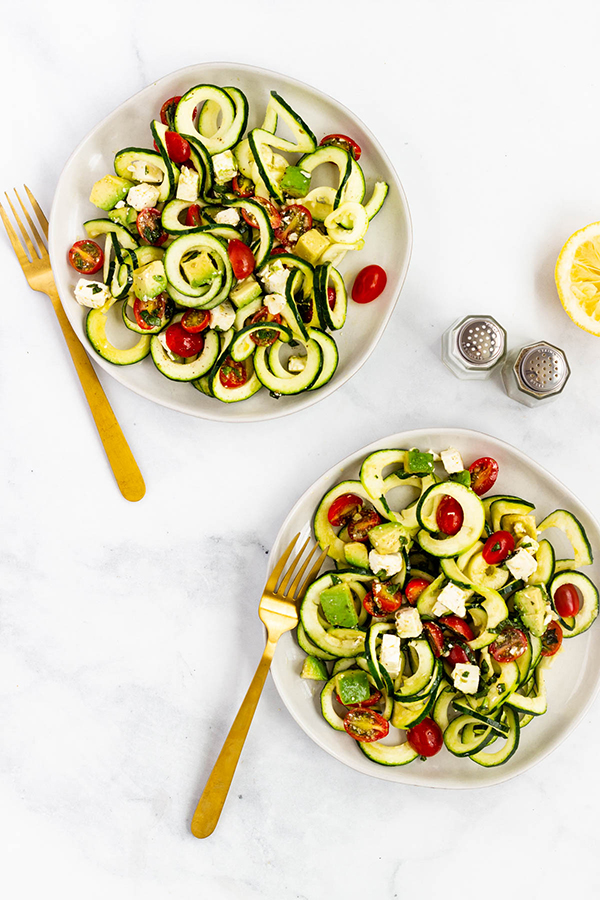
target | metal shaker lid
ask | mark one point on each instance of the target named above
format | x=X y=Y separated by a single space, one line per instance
x=542 y=369
x=481 y=341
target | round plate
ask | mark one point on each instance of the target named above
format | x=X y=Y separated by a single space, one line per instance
x=388 y=242
x=572 y=681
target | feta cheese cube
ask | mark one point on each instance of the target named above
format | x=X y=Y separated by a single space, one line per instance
x=296 y=363
x=466 y=678
x=187 y=186
x=142 y=196
x=274 y=277
x=452 y=460
x=436 y=456
x=224 y=166
x=222 y=316
x=227 y=217
x=451 y=600
x=521 y=565
x=274 y=303
x=408 y=622
x=528 y=543
x=389 y=654
x=92 y=294
x=390 y=563
x=145 y=172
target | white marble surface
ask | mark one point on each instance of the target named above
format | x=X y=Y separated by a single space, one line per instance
x=129 y=632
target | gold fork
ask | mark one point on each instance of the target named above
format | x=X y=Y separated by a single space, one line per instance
x=38 y=273
x=279 y=612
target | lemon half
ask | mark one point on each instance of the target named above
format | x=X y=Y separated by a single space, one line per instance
x=578 y=277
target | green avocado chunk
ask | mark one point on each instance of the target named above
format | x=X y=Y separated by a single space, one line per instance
x=338 y=606
x=314 y=669
x=418 y=463
x=353 y=687
x=125 y=216
x=356 y=554
x=199 y=268
x=107 y=192
x=149 y=280
x=295 y=182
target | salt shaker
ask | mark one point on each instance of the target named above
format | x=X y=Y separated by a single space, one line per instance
x=474 y=346
x=535 y=374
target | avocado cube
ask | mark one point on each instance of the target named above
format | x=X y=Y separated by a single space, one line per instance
x=356 y=554
x=199 y=268
x=530 y=603
x=107 y=192
x=295 y=182
x=125 y=216
x=338 y=606
x=353 y=687
x=149 y=280
x=245 y=292
x=463 y=477
x=388 y=538
x=311 y=245
x=418 y=463
x=314 y=669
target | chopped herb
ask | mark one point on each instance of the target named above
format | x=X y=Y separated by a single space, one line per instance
x=95 y=289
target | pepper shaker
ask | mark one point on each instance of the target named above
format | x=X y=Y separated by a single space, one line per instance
x=474 y=346
x=535 y=374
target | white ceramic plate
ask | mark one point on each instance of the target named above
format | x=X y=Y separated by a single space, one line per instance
x=388 y=243
x=572 y=681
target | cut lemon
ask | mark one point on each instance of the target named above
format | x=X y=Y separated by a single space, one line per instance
x=577 y=276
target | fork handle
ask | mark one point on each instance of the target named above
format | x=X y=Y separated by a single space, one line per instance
x=217 y=787
x=121 y=459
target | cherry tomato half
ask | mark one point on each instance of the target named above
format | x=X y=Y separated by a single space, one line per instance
x=272 y=211
x=183 y=342
x=484 y=472
x=414 y=589
x=510 y=644
x=369 y=284
x=195 y=320
x=343 y=141
x=365 y=704
x=458 y=625
x=552 y=639
x=331 y=297
x=387 y=595
x=360 y=525
x=177 y=147
x=372 y=606
x=86 y=257
x=268 y=336
x=150 y=228
x=295 y=221
x=365 y=725
x=497 y=547
x=343 y=508
x=167 y=111
x=426 y=737
x=566 y=600
x=151 y=313
x=457 y=654
x=436 y=638
x=233 y=374
x=449 y=515
x=193 y=216
x=241 y=258
x=242 y=186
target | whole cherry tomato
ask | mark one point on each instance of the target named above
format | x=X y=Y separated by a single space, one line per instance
x=457 y=654
x=331 y=295
x=414 y=588
x=241 y=258
x=193 y=216
x=458 y=625
x=510 y=644
x=177 y=147
x=86 y=257
x=195 y=320
x=449 y=516
x=552 y=639
x=436 y=637
x=365 y=725
x=167 y=111
x=369 y=284
x=343 y=508
x=343 y=141
x=497 y=547
x=426 y=737
x=566 y=600
x=183 y=342
x=484 y=472
x=360 y=525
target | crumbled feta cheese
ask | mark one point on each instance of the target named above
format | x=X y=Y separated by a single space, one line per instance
x=436 y=456
x=296 y=363
x=452 y=460
x=162 y=339
x=187 y=186
x=466 y=678
x=274 y=303
x=408 y=622
x=227 y=217
x=92 y=294
x=142 y=196
x=389 y=654
x=528 y=543
x=451 y=600
x=549 y=615
x=222 y=316
x=145 y=172
x=521 y=565
x=390 y=563
x=224 y=166
x=519 y=529
x=120 y=204
x=274 y=277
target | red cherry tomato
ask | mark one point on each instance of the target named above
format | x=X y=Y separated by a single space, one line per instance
x=457 y=654
x=343 y=508
x=295 y=221
x=331 y=297
x=242 y=259
x=167 y=111
x=268 y=336
x=177 y=147
x=372 y=606
x=426 y=738
x=566 y=600
x=497 y=547
x=387 y=595
x=365 y=704
x=449 y=515
x=150 y=228
x=151 y=313
x=458 y=625
x=195 y=320
x=183 y=342
x=436 y=637
x=365 y=725
x=276 y=251
x=272 y=211
x=484 y=472
x=360 y=525
x=242 y=186
x=369 y=284
x=86 y=257
x=233 y=374
x=510 y=644
x=343 y=141
x=193 y=216
x=414 y=589
x=552 y=639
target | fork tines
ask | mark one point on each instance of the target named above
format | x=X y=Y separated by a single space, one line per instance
x=35 y=247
